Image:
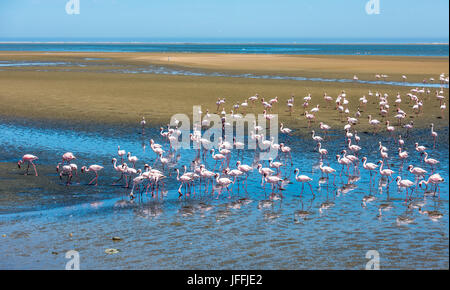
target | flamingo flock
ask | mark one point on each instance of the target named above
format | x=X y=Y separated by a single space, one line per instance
x=212 y=167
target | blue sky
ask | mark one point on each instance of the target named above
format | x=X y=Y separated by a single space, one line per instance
x=410 y=20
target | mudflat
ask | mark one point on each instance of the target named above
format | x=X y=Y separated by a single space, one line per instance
x=94 y=93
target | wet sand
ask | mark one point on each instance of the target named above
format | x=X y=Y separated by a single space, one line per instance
x=99 y=96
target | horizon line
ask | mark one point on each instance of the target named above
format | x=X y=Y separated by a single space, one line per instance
x=219 y=43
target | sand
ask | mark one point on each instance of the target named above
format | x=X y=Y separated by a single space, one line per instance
x=124 y=98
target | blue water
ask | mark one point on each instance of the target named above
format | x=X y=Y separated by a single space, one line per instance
x=310 y=49
x=248 y=230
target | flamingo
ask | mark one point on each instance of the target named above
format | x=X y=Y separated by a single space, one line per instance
x=417 y=171
x=323 y=152
x=344 y=162
x=236 y=173
x=324 y=127
x=206 y=174
x=217 y=157
x=137 y=181
x=374 y=122
x=353 y=148
x=273 y=180
x=244 y=168
x=405 y=183
x=315 y=137
x=67 y=157
x=285 y=130
x=65 y=170
x=420 y=148
x=309 y=117
x=402 y=155
x=164 y=161
x=369 y=166
x=184 y=180
x=327 y=170
x=286 y=150
x=95 y=168
x=223 y=182
x=121 y=153
x=435 y=179
x=132 y=159
x=143 y=125
x=303 y=179
x=434 y=135
x=352 y=158
x=275 y=164
x=264 y=171
x=29 y=158
x=390 y=128
x=120 y=168
x=385 y=172
x=430 y=161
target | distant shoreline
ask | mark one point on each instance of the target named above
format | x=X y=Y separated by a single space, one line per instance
x=224 y=43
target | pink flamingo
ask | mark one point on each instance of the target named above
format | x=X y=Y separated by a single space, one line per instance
x=120 y=168
x=385 y=172
x=29 y=159
x=374 y=122
x=327 y=170
x=206 y=175
x=236 y=173
x=430 y=161
x=323 y=152
x=121 y=153
x=286 y=150
x=184 y=180
x=344 y=162
x=264 y=171
x=405 y=183
x=67 y=157
x=244 y=168
x=402 y=155
x=223 y=182
x=401 y=142
x=95 y=168
x=143 y=125
x=420 y=148
x=275 y=164
x=435 y=179
x=417 y=171
x=65 y=170
x=353 y=148
x=273 y=180
x=284 y=130
x=434 y=135
x=217 y=157
x=303 y=179
x=309 y=117
x=137 y=181
x=132 y=159
x=369 y=166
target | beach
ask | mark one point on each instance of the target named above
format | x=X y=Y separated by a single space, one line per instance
x=104 y=91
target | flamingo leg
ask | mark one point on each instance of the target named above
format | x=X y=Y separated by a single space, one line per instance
x=34 y=166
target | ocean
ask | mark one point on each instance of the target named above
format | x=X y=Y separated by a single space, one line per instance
x=308 y=49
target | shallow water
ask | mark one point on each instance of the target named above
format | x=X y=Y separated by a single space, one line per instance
x=250 y=230
x=246 y=46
